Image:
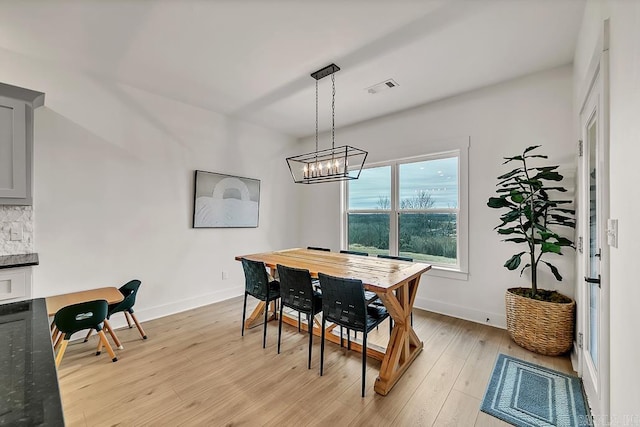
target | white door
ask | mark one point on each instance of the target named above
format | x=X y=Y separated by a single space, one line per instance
x=593 y=296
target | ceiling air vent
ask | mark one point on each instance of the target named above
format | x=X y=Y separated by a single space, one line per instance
x=385 y=85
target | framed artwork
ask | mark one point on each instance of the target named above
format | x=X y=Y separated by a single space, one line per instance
x=225 y=201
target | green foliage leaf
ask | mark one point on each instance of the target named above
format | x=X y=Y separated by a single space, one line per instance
x=499 y=202
x=544 y=235
x=532 y=182
x=538 y=156
x=510 y=174
x=531 y=148
x=546 y=168
x=510 y=159
x=560 y=189
x=563 y=241
x=513 y=262
x=516 y=196
x=512 y=230
x=555 y=271
x=510 y=216
x=549 y=176
x=548 y=247
x=516 y=240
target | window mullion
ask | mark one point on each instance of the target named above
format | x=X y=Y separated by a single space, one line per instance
x=395 y=206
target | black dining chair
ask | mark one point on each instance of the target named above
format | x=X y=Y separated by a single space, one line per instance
x=315 y=248
x=129 y=291
x=399 y=258
x=344 y=251
x=344 y=304
x=258 y=285
x=78 y=317
x=369 y=296
x=297 y=293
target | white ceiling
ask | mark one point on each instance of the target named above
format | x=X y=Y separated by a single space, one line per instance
x=252 y=59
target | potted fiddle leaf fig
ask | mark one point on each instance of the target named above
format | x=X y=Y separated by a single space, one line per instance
x=537 y=319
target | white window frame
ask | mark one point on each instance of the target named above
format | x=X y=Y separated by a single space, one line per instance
x=458 y=271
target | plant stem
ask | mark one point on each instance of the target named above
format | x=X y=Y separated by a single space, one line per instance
x=532 y=242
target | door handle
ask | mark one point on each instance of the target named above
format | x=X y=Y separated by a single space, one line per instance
x=592 y=280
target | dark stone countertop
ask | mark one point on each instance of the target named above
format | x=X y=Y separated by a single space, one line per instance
x=22 y=260
x=29 y=394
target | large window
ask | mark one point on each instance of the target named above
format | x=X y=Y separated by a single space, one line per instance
x=412 y=208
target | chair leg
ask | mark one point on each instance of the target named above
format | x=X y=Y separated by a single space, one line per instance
x=279 y=328
x=115 y=339
x=348 y=339
x=54 y=334
x=59 y=339
x=103 y=339
x=63 y=347
x=126 y=316
x=298 y=321
x=244 y=311
x=135 y=319
x=341 y=345
x=412 y=318
x=322 y=344
x=310 y=318
x=364 y=360
x=88 y=335
x=264 y=327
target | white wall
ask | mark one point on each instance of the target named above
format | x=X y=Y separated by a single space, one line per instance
x=624 y=153
x=501 y=120
x=113 y=190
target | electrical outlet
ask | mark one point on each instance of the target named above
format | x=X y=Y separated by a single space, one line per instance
x=225 y=275
x=16 y=233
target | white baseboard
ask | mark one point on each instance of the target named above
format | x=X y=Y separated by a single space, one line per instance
x=156 y=312
x=494 y=319
x=461 y=312
x=575 y=359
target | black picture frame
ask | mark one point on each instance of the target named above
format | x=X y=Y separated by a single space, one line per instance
x=225 y=201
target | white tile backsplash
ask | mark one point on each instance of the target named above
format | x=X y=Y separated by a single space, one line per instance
x=16 y=217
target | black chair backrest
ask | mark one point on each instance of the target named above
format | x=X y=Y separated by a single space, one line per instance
x=354 y=252
x=296 y=289
x=343 y=301
x=315 y=248
x=256 y=280
x=81 y=316
x=129 y=290
x=399 y=258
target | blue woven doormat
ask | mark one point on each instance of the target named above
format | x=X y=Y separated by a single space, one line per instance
x=529 y=395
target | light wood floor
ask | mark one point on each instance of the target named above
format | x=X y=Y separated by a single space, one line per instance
x=195 y=369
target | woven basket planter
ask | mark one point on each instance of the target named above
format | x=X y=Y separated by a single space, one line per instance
x=540 y=326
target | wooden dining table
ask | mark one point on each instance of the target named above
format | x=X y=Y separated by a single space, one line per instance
x=111 y=294
x=396 y=284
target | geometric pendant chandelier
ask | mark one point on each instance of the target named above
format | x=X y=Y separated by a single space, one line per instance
x=333 y=164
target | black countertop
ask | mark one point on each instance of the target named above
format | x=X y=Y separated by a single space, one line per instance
x=22 y=260
x=29 y=394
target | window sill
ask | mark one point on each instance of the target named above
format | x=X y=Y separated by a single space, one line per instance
x=448 y=273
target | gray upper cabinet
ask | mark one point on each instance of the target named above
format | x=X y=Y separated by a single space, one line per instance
x=16 y=143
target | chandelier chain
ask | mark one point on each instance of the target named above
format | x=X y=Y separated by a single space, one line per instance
x=316 y=116
x=333 y=111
